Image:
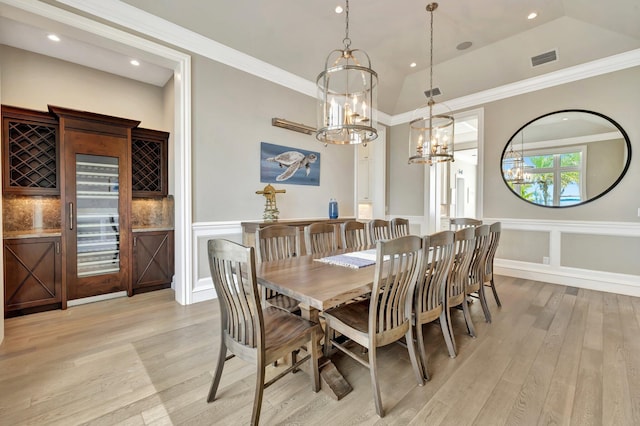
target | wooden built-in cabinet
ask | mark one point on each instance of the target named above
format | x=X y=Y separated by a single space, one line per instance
x=32 y=274
x=153 y=263
x=95 y=163
x=29 y=152
x=149 y=174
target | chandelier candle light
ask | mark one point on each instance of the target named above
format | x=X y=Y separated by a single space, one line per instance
x=514 y=168
x=347 y=96
x=431 y=137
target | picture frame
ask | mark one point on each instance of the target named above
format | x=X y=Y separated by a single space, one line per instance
x=286 y=165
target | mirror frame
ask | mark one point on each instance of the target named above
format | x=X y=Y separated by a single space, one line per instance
x=606 y=191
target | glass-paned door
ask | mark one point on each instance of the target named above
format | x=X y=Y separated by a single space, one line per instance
x=97 y=210
x=97 y=235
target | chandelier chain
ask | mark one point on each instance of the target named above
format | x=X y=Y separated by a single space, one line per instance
x=431 y=59
x=346 y=40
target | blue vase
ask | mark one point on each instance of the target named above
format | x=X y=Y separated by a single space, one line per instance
x=333 y=209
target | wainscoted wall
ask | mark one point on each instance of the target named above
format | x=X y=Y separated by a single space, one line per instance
x=543 y=250
x=588 y=254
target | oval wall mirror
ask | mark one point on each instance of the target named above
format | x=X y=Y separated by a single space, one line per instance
x=566 y=158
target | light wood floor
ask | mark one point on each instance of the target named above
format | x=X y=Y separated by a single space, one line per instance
x=553 y=355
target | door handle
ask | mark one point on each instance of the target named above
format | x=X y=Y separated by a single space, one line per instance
x=71 y=216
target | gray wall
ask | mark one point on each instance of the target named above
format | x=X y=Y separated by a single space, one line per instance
x=405 y=182
x=615 y=95
x=30 y=80
x=232 y=113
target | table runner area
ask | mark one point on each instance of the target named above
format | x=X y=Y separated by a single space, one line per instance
x=354 y=260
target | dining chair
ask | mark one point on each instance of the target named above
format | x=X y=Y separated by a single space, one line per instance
x=353 y=234
x=475 y=284
x=320 y=237
x=386 y=316
x=276 y=242
x=399 y=227
x=429 y=301
x=379 y=229
x=494 y=230
x=247 y=330
x=456 y=295
x=456 y=223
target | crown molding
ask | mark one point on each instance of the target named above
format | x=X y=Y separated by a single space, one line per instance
x=153 y=26
x=161 y=29
x=578 y=72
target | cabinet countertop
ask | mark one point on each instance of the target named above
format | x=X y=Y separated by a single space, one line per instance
x=152 y=229
x=41 y=233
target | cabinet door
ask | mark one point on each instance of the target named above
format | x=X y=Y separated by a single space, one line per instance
x=29 y=152
x=152 y=260
x=32 y=272
x=149 y=168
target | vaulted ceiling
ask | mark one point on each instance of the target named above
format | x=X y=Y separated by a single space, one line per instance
x=296 y=36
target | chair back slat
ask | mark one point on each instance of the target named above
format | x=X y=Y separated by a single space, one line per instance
x=399 y=227
x=456 y=223
x=379 y=229
x=234 y=278
x=320 y=237
x=353 y=234
x=494 y=231
x=481 y=247
x=394 y=279
x=277 y=242
x=463 y=253
x=430 y=291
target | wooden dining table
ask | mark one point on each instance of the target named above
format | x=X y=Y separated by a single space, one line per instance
x=318 y=286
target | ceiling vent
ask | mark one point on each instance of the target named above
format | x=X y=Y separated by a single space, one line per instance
x=436 y=92
x=544 y=58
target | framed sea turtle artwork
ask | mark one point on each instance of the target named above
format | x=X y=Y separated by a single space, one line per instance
x=281 y=164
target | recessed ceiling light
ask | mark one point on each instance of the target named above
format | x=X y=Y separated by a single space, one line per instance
x=134 y=62
x=53 y=37
x=413 y=64
x=464 y=45
x=532 y=15
x=339 y=9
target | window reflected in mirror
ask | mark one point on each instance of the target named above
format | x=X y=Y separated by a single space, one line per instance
x=566 y=158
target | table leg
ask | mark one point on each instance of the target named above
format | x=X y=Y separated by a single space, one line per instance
x=333 y=382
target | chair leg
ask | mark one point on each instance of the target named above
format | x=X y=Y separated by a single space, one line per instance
x=450 y=327
x=414 y=357
x=218 y=374
x=485 y=306
x=373 y=370
x=257 y=401
x=495 y=293
x=422 y=351
x=445 y=325
x=467 y=318
x=315 y=372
